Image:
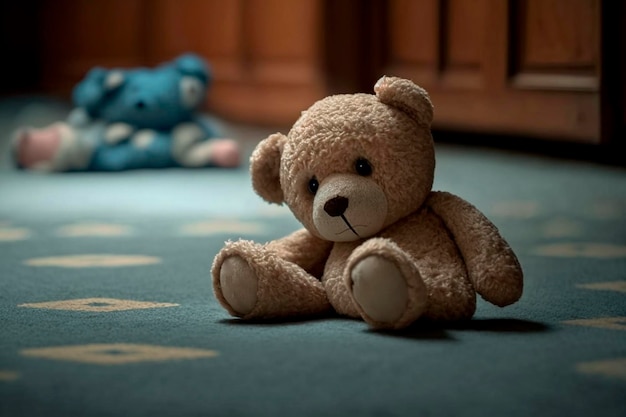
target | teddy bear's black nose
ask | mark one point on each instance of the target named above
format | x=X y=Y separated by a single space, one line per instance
x=336 y=206
x=140 y=104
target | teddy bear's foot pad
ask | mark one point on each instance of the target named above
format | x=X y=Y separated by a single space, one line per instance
x=239 y=284
x=223 y=153
x=380 y=289
x=36 y=148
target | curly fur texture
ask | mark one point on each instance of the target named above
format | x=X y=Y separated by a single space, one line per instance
x=378 y=244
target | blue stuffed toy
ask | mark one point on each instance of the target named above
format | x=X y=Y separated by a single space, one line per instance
x=129 y=119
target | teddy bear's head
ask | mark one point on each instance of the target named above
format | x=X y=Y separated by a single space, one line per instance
x=152 y=98
x=352 y=164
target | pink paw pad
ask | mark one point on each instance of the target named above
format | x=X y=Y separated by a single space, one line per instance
x=225 y=153
x=34 y=146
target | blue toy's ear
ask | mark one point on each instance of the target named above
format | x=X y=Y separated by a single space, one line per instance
x=191 y=64
x=90 y=92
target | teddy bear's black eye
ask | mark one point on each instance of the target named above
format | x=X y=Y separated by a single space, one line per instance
x=313 y=185
x=363 y=167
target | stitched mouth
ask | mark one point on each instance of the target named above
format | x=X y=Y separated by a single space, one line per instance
x=350 y=227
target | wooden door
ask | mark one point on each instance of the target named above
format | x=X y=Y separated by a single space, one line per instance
x=76 y=35
x=266 y=54
x=529 y=67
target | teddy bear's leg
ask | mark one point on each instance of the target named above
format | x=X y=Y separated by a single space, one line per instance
x=385 y=284
x=251 y=281
x=36 y=147
x=223 y=153
x=191 y=147
x=56 y=147
x=451 y=295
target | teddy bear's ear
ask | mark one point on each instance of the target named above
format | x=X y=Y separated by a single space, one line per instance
x=114 y=80
x=265 y=168
x=191 y=64
x=98 y=82
x=406 y=96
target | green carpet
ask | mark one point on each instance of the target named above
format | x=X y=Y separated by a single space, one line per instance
x=106 y=307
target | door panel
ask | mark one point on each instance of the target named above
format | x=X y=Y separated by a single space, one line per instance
x=555 y=44
x=527 y=67
x=462 y=43
x=78 y=35
x=509 y=66
x=413 y=38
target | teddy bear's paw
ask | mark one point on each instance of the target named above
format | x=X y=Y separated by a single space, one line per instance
x=380 y=290
x=223 y=153
x=239 y=284
x=43 y=149
x=191 y=149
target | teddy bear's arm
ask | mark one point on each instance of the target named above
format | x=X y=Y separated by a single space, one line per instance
x=117 y=132
x=303 y=249
x=491 y=264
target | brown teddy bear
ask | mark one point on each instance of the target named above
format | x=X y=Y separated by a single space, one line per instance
x=357 y=170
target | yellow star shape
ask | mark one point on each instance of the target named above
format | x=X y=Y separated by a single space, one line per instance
x=117 y=353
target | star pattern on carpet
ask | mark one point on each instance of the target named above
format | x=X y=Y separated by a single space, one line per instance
x=223 y=226
x=9 y=234
x=8 y=376
x=581 y=250
x=97 y=305
x=561 y=227
x=117 y=353
x=611 y=323
x=93 y=260
x=515 y=209
x=619 y=286
x=93 y=229
x=614 y=368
